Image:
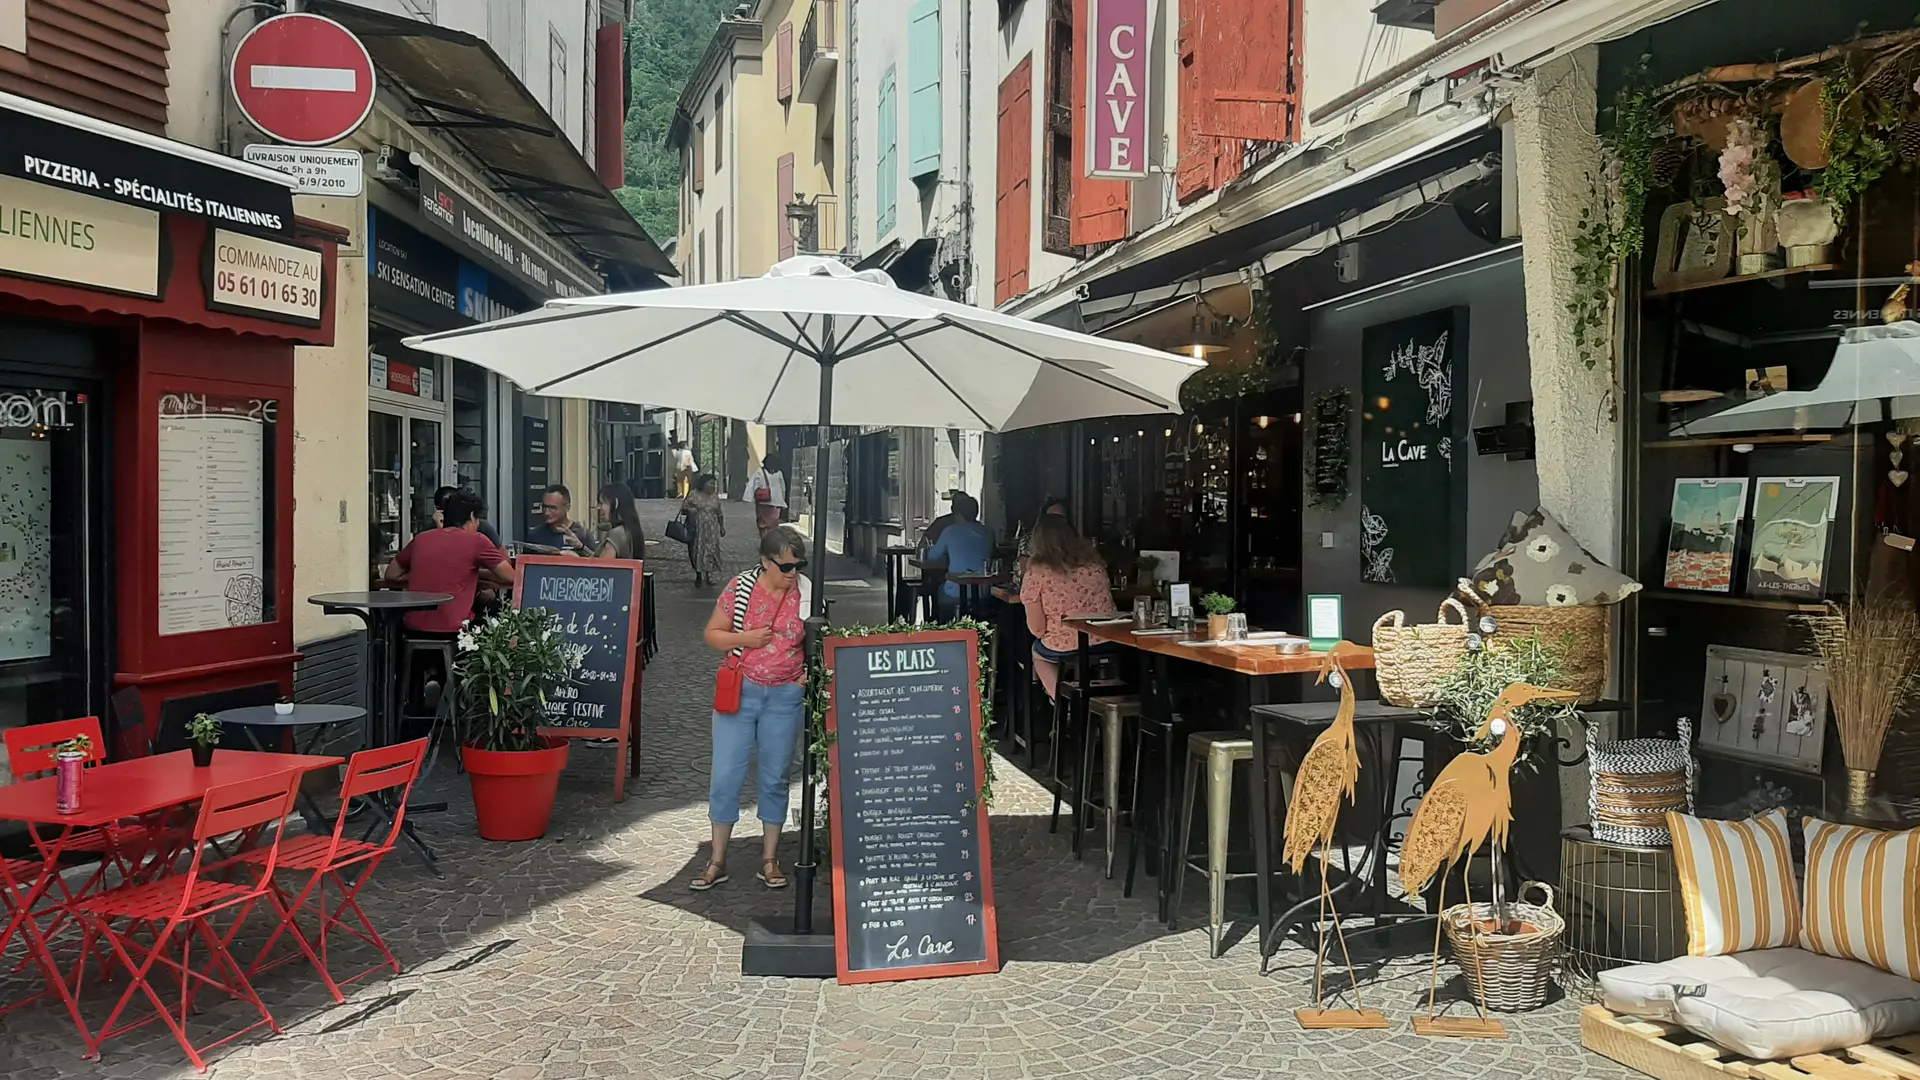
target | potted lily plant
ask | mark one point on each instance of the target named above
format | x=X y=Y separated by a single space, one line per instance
x=509 y=666
x=1219 y=606
x=203 y=731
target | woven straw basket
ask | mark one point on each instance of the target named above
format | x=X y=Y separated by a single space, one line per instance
x=1583 y=635
x=1510 y=972
x=1410 y=661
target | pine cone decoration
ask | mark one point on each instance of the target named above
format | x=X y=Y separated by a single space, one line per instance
x=1666 y=163
x=1891 y=79
x=1907 y=139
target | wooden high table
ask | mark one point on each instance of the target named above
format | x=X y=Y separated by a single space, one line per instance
x=1259 y=670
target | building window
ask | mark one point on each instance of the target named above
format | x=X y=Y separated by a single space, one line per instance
x=557 y=77
x=887 y=179
x=699 y=170
x=1057 y=165
x=700 y=250
x=720 y=245
x=719 y=126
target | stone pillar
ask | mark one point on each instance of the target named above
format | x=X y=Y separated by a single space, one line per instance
x=1576 y=412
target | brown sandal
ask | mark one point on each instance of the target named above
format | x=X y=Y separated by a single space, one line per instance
x=714 y=874
x=771 y=876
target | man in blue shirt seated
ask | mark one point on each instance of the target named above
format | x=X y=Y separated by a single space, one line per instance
x=963 y=548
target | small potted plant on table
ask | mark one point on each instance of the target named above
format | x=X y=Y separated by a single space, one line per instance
x=509 y=666
x=203 y=731
x=1219 y=606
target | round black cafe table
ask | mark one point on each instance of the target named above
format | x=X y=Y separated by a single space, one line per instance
x=381 y=610
x=254 y=719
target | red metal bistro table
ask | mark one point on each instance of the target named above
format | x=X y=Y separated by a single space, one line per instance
x=121 y=791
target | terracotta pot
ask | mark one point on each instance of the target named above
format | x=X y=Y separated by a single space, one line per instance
x=1217 y=627
x=202 y=756
x=513 y=790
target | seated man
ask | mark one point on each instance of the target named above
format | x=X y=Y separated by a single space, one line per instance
x=963 y=548
x=455 y=559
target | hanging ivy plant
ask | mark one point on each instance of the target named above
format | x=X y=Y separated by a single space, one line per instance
x=1612 y=224
x=1856 y=128
x=1328 y=452
x=1222 y=382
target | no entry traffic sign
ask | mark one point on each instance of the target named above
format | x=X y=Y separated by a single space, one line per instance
x=302 y=79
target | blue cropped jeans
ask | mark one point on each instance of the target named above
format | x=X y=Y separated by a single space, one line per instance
x=769 y=719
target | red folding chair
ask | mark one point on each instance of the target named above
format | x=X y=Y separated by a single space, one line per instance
x=32 y=750
x=324 y=858
x=22 y=887
x=177 y=908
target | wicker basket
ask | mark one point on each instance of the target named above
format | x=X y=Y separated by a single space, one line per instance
x=1583 y=635
x=1409 y=662
x=1510 y=972
x=1635 y=783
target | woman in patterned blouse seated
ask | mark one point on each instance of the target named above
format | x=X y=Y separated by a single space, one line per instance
x=1064 y=577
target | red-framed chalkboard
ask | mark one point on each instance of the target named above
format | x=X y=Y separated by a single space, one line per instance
x=599 y=603
x=912 y=851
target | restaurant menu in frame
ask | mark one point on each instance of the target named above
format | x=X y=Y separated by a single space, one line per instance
x=912 y=865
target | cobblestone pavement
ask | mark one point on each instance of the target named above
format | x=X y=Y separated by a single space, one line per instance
x=584 y=955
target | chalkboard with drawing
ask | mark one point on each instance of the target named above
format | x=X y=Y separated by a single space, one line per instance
x=599 y=605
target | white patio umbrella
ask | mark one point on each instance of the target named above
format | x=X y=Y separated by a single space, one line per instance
x=814 y=342
x=1875 y=376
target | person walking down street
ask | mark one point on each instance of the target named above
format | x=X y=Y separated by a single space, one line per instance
x=622 y=539
x=767 y=490
x=683 y=466
x=760 y=623
x=557 y=529
x=709 y=524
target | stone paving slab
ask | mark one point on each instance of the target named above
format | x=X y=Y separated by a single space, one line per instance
x=584 y=956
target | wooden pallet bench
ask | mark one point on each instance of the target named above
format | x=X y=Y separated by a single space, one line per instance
x=1671 y=1052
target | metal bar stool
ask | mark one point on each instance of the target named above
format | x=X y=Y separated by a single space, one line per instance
x=1071 y=694
x=1216 y=753
x=1109 y=734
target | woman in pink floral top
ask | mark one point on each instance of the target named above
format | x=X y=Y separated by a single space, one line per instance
x=772 y=664
x=1064 y=577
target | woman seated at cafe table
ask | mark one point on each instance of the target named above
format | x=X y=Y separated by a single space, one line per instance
x=772 y=664
x=1065 y=576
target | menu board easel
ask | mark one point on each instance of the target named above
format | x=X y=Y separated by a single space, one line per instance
x=912 y=860
x=599 y=604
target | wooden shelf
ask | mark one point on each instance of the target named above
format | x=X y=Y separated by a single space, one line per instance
x=1731 y=601
x=1737 y=440
x=1767 y=275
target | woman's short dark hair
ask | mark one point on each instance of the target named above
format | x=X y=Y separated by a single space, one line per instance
x=703 y=481
x=440 y=496
x=782 y=538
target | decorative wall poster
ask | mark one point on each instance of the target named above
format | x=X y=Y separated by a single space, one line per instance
x=1767 y=708
x=1706 y=525
x=26 y=559
x=212 y=513
x=1792 y=522
x=1408 y=516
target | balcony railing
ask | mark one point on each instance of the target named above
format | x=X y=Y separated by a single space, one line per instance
x=819 y=50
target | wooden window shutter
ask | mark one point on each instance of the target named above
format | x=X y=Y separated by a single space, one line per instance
x=1101 y=208
x=1250 y=52
x=1207 y=161
x=720 y=244
x=784 y=172
x=700 y=159
x=886 y=181
x=783 y=64
x=1013 y=193
x=923 y=88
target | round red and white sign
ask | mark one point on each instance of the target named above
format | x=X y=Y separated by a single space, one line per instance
x=302 y=79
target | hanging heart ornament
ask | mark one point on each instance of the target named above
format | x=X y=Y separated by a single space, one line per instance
x=1723 y=704
x=1896 y=457
x=1896 y=437
x=1897 y=477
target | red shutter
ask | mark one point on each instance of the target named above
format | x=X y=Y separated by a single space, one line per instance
x=1013 y=194
x=783 y=67
x=784 y=171
x=1250 y=51
x=1206 y=161
x=1100 y=208
x=609 y=106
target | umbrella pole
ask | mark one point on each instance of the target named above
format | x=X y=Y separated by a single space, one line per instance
x=804 y=867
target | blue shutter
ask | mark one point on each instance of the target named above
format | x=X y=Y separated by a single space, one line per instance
x=887 y=183
x=923 y=88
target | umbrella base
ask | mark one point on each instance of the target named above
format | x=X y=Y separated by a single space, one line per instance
x=772 y=948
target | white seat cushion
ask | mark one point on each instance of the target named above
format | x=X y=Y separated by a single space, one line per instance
x=1770 y=1004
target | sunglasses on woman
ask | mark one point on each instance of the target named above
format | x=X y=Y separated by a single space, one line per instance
x=788 y=567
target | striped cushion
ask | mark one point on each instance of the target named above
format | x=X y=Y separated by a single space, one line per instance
x=1863 y=896
x=1736 y=878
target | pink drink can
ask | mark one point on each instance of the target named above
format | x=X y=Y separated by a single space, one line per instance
x=66 y=798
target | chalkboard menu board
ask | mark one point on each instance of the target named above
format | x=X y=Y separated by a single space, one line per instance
x=912 y=865
x=1411 y=522
x=598 y=603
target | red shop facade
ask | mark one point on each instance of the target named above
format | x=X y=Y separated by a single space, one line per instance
x=151 y=298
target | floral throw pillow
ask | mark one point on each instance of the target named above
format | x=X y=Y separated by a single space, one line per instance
x=1537 y=563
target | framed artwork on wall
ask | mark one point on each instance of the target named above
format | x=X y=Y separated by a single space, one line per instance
x=1766 y=708
x=1704 y=532
x=1792 y=524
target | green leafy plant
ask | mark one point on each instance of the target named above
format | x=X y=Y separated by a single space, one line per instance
x=1328 y=454
x=203 y=729
x=1217 y=603
x=1612 y=225
x=1145 y=565
x=1855 y=132
x=83 y=744
x=820 y=693
x=509 y=665
x=1462 y=699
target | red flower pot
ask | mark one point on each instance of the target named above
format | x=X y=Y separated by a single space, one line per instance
x=513 y=790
